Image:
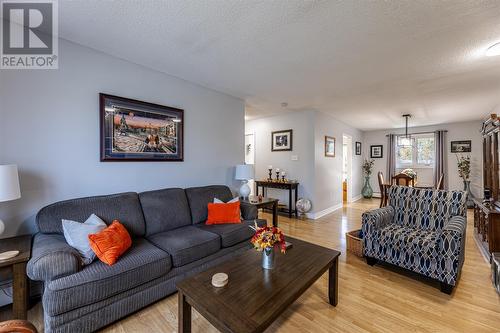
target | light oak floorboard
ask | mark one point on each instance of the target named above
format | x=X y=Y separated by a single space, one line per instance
x=381 y=298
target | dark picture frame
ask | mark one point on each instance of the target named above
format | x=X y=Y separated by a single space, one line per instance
x=329 y=146
x=282 y=140
x=358 y=148
x=376 y=151
x=464 y=146
x=137 y=131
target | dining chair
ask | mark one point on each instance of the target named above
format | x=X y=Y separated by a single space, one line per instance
x=402 y=179
x=383 y=189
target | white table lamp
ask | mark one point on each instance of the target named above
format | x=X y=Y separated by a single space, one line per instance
x=9 y=190
x=244 y=172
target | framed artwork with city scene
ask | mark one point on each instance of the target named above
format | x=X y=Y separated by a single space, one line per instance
x=139 y=131
x=461 y=146
x=282 y=140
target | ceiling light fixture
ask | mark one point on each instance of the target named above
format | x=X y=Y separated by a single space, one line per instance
x=405 y=141
x=493 y=50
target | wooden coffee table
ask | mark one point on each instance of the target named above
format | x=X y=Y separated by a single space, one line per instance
x=255 y=297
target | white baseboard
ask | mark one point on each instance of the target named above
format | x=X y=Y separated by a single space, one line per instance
x=356 y=198
x=317 y=215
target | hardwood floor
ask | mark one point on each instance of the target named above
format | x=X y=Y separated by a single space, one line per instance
x=381 y=298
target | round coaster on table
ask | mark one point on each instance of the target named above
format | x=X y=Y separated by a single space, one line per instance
x=220 y=280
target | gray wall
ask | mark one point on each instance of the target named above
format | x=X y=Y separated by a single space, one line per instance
x=49 y=126
x=456 y=132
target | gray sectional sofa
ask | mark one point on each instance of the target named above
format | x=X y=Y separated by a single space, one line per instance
x=170 y=242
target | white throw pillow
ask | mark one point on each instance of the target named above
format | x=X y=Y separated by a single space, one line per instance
x=233 y=200
x=76 y=234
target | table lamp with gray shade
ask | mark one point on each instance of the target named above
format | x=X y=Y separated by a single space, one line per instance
x=9 y=190
x=244 y=172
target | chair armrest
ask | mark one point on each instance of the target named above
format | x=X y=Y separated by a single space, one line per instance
x=52 y=258
x=248 y=211
x=452 y=248
x=377 y=219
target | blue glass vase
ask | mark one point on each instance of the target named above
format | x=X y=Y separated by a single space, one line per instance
x=367 y=190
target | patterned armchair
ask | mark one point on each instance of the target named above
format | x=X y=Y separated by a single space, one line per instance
x=421 y=230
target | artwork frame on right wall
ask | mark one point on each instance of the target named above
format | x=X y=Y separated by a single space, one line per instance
x=464 y=146
x=358 y=148
x=376 y=151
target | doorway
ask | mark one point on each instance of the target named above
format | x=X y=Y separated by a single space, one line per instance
x=346 y=169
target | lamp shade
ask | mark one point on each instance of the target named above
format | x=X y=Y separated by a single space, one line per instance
x=244 y=172
x=9 y=183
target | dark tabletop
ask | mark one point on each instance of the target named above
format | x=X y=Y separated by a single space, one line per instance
x=256 y=201
x=19 y=243
x=255 y=297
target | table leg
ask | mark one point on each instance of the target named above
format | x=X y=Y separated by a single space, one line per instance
x=275 y=214
x=256 y=190
x=295 y=203
x=20 y=291
x=184 y=314
x=290 y=203
x=333 y=283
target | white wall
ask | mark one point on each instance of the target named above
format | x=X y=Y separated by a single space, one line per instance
x=320 y=177
x=456 y=132
x=328 y=170
x=49 y=126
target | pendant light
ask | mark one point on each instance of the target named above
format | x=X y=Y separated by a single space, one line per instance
x=406 y=140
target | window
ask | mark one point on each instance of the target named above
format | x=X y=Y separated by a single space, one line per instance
x=420 y=154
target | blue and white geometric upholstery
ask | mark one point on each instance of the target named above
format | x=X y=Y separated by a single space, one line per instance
x=420 y=230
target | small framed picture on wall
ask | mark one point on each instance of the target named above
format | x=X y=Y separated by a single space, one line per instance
x=329 y=146
x=358 y=148
x=461 y=146
x=282 y=140
x=377 y=151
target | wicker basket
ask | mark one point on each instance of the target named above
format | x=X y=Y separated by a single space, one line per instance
x=354 y=243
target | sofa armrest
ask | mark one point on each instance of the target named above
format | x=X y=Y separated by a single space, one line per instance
x=248 y=211
x=52 y=258
x=376 y=219
x=452 y=248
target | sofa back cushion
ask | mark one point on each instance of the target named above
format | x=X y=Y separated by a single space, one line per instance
x=200 y=197
x=124 y=207
x=425 y=209
x=165 y=210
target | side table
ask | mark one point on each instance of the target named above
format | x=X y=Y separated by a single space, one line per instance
x=265 y=203
x=18 y=266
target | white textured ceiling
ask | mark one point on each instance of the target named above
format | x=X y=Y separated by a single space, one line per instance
x=364 y=62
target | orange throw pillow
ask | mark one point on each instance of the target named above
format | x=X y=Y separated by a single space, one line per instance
x=110 y=243
x=223 y=213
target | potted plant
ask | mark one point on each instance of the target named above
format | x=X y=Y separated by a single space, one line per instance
x=267 y=239
x=367 y=166
x=463 y=163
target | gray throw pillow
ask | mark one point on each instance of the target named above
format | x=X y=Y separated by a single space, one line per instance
x=77 y=235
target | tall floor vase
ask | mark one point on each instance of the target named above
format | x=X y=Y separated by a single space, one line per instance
x=470 y=203
x=367 y=190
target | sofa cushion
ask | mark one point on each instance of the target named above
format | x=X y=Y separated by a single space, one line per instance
x=200 y=197
x=165 y=210
x=186 y=244
x=232 y=234
x=124 y=207
x=98 y=281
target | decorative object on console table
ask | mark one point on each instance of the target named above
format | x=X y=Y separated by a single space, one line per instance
x=461 y=146
x=463 y=163
x=367 y=190
x=9 y=190
x=290 y=186
x=270 y=169
x=277 y=174
x=266 y=240
x=282 y=140
x=377 y=151
x=358 y=148
x=139 y=131
x=244 y=172
x=329 y=146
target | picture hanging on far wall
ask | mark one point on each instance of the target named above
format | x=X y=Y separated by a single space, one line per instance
x=282 y=140
x=461 y=146
x=358 y=148
x=329 y=146
x=376 y=151
x=139 y=131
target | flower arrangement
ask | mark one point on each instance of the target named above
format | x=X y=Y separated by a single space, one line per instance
x=368 y=167
x=267 y=238
x=463 y=163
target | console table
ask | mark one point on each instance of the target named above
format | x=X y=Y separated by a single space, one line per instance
x=289 y=186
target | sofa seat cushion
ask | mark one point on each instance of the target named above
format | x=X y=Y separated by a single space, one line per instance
x=410 y=248
x=142 y=263
x=186 y=244
x=232 y=234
